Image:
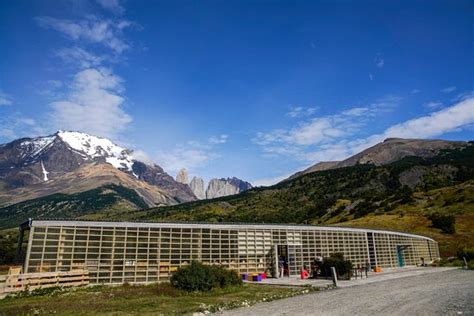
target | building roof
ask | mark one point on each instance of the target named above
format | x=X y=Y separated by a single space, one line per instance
x=88 y=223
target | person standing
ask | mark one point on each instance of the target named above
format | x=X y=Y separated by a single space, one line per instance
x=281 y=266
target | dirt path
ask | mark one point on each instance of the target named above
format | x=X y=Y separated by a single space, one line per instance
x=443 y=293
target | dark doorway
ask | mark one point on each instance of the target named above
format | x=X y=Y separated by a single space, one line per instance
x=282 y=256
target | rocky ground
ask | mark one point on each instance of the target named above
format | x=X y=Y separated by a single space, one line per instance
x=444 y=293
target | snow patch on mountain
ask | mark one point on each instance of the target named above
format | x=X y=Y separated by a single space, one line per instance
x=33 y=147
x=45 y=173
x=91 y=147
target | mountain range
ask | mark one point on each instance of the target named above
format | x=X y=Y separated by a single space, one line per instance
x=215 y=188
x=69 y=163
x=398 y=184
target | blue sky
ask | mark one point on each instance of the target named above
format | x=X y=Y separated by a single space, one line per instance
x=253 y=89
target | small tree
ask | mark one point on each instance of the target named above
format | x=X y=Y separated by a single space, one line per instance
x=444 y=222
x=336 y=260
x=199 y=277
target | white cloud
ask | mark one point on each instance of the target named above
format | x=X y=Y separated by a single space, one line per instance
x=92 y=30
x=315 y=144
x=5 y=99
x=371 y=77
x=448 y=89
x=142 y=156
x=415 y=91
x=80 y=57
x=433 y=104
x=456 y=117
x=94 y=104
x=182 y=157
x=270 y=180
x=112 y=5
x=18 y=125
x=435 y=124
x=221 y=139
x=324 y=129
x=379 y=62
x=300 y=111
x=193 y=155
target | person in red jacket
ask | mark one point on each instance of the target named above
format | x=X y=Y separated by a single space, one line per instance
x=304 y=273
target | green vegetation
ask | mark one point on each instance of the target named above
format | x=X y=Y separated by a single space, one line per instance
x=336 y=260
x=444 y=222
x=468 y=254
x=105 y=199
x=157 y=299
x=199 y=277
x=8 y=240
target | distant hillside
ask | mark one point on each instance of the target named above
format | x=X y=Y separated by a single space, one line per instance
x=390 y=150
x=353 y=195
x=101 y=201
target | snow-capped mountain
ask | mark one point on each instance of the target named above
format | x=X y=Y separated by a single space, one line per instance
x=42 y=164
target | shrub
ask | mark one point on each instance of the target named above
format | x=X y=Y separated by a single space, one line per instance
x=465 y=253
x=444 y=222
x=336 y=260
x=199 y=277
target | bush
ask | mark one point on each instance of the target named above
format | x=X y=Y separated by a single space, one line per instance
x=444 y=222
x=343 y=267
x=199 y=277
x=466 y=253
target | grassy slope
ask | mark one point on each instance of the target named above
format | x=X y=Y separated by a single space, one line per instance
x=413 y=217
x=156 y=299
x=103 y=201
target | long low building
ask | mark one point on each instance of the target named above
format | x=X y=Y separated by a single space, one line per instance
x=118 y=252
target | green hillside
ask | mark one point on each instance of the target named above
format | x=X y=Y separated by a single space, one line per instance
x=100 y=201
x=413 y=188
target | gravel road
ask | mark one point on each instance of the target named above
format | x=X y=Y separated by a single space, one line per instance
x=442 y=293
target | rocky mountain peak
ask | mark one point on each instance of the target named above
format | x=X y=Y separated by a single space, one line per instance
x=28 y=162
x=182 y=176
x=223 y=187
x=197 y=186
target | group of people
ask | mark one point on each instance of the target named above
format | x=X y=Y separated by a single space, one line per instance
x=316 y=265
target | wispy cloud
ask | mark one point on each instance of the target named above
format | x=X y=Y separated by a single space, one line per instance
x=323 y=129
x=18 y=125
x=93 y=104
x=112 y=5
x=433 y=104
x=270 y=180
x=191 y=156
x=5 y=99
x=91 y=30
x=453 y=118
x=379 y=61
x=93 y=101
x=336 y=137
x=182 y=157
x=414 y=91
x=79 y=57
x=301 y=111
x=448 y=89
x=221 y=139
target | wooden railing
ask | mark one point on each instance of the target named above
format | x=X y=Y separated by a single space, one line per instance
x=30 y=281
